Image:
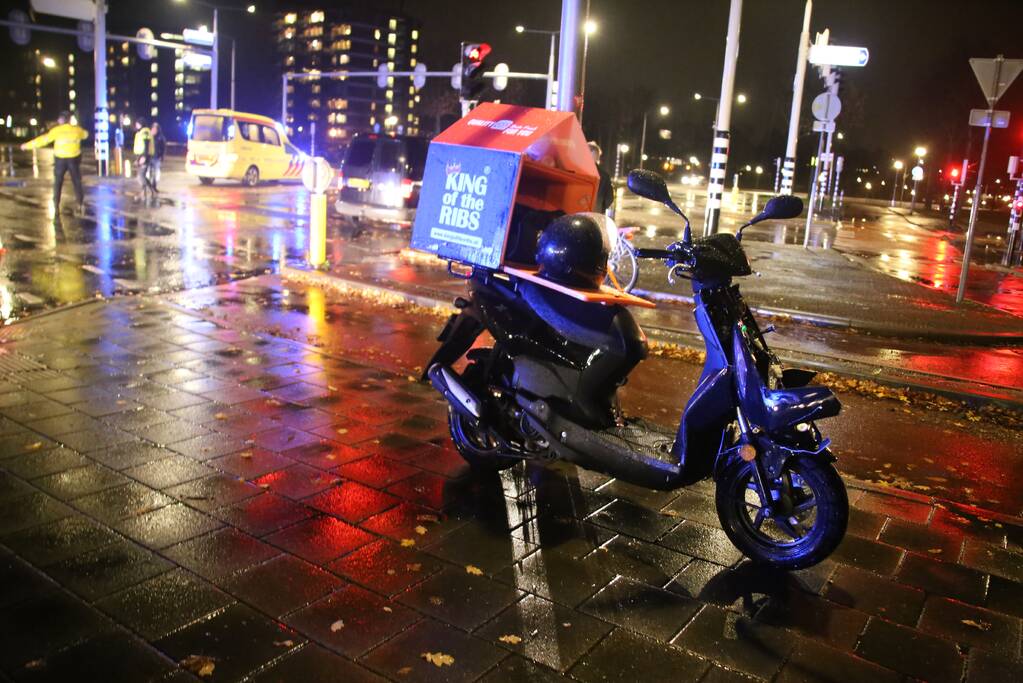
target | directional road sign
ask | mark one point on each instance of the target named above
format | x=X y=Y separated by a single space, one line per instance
x=826 y=107
x=83 y=10
x=839 y=55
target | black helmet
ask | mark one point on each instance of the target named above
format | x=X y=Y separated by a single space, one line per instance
x=573 y=251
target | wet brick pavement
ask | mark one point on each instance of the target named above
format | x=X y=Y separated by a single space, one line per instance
x=173 y=490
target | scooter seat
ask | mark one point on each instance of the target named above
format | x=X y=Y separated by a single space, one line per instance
x=788 y=407
x=590 y=324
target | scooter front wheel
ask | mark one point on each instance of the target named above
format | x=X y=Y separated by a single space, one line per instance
x=807 y=522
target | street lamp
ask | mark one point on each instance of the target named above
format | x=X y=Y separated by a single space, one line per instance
x=663 y=110
x=215 y=64
x=920 y=153
x=49 y=62
x=589 y=28
x=550 y=62
x=740 y=98
x=620 y=150
x=895 y=181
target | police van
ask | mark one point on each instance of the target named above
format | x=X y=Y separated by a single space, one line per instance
x=228 y=144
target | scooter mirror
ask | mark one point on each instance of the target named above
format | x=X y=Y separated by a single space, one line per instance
x=782 y=206
x=649 y=185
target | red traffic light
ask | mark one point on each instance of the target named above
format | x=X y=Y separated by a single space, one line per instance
x=953 y=173
x=477 y=52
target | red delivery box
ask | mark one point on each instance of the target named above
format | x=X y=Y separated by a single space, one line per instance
x=498 y=161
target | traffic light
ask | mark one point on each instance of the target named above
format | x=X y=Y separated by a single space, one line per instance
x=474 y=57
x=953 y=175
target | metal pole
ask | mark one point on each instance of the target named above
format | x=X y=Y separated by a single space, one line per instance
x=101 y=125
x=912 y=197
x=777 y=174
x=839 y=162
x=813 y=190
x=895 y=184
x=719 y=149
x=642 y=143
x=830 y=166
x=215 y=65
x=232 y=73
x=1012 y=239
x=788 y=169
x=977 y=195
x=567 y=54
x=582 y=76
x=284 y=100
x=550 y=103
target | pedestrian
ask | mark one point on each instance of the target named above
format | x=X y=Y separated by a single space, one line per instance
x=605 y=191
x=142 y=147
x=159 y=148
x=118 y=149
x=66 y=138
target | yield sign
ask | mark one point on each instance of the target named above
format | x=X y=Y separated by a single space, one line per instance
x=995 y=75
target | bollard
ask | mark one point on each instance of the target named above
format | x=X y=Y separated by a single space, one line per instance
x=316 y=176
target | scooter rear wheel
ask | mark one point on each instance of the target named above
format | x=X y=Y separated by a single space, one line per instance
x=817 y=513
x=476 y=447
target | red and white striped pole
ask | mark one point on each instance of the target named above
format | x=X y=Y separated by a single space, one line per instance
x=719 y=150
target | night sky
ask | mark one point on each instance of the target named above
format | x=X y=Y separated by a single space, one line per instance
x=917 y=89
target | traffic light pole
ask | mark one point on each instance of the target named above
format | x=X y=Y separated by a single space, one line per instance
x=975 y=207
x=719 y=150
x=788 y=168
x=567 y=54
x=101 y=124
x=1012 y=241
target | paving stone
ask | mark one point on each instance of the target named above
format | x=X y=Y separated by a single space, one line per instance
x=870 y=555
x=89 y=440
x=167 y=525
x=121 y=502
x=221 y=553
x=638 y=560
x=62 y=424
x=282 y=585
x=556 y=577
x=209 y=446
x=692 y=506
x=984 y=666
x=812 y=661
x=352 y=620
x=642 y=608
x=911 y=652
x=943 y=578
x=386 y=567
x=79 y=481
x=297 y=482
x=24 y=442
x=239 y=640
x=517 y=669
x=212 y=492
x=814 y=617
x=43 y=462
x=736 y=642
x=875 y=595
x=320 y=539
x=456 y=597
x=263 y=514
x=407 y=521
x=351 y=501
x=563 y=535
x=704 y=542
x=894 y=507
x=401 y=657
x=113 y=567
x=549 y=634
x=170 y=471
x=633 y=520
x=313 y=663
x=36 y=410
x=106 y=407
x=48 y=543
x=130 y=454
x=19 y=581
x=250 y=463
x=164 y=603
x=971 y=626
x=35 y=629
x=428 y=490
x=1005 y=596
x=1007 y=564
x=27 y=510
x=475 y=544
x=626 y=656
x=921 y=539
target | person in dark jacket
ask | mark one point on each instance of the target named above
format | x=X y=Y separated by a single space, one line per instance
x=605 y=191
x=159 y=148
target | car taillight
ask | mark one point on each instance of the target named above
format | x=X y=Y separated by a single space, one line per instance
x=406 y=188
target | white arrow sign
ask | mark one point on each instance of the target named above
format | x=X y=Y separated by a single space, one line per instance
x=839 y=55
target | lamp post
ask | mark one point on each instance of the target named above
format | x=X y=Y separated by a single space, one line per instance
x=663 y=110
x=589 y=28
x=621 y=150
x=549 y=102
x=215 y=63
x=897 y=166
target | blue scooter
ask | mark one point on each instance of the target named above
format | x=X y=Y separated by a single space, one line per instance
x=547 y=389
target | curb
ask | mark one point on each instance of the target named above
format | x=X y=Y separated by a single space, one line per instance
x=434 y=299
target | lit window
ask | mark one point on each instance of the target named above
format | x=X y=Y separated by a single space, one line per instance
x=315 y=45
x=376 y=34
x=71 y=57
x=289 y=33
x=71 y=94
x=388 y=107
x=390 y=53
x=155 y=111
x=153 y=68
x=412 y=90
x=152 y=98
x=390 y=79
x=290 y=18
x=124 y=61
x=414 y=50
x=392 y=24
x=316 y=17
x=342 y=59
x=415 y=34
x=289 y=60
x=153 y=82
x=71 y=71
x=391 y=38
x=390 y=94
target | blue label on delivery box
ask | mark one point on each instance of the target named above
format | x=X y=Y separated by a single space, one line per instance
x=465 y=203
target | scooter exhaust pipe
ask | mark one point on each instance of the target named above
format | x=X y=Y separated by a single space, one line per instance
x=449 y=384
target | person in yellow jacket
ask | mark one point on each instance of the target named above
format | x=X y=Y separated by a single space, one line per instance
x=144 y=148
x=66 y=139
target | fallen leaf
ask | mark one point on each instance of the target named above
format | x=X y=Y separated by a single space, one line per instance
x=342 y=430
x=414 y=566
x=200 y=665
x=438 y=659
x=510 y=639
x=391 y=572
x=407 y=542
x=337 y=626
x=404 y=671
x=34 y=446
x=427 y=518
x=35 y=664
x=387 y=609
x=436 y=600
x=982 y=625
x=220 y=416
x=473 y=569
x=421 y=530
x=284 y=643
x=245 y=454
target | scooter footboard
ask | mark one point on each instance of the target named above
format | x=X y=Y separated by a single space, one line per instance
x=708 y=412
